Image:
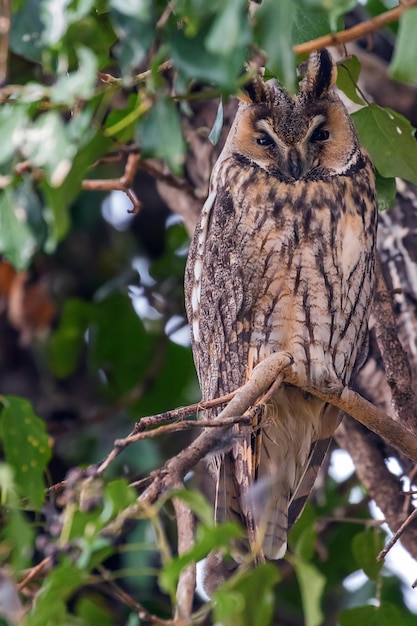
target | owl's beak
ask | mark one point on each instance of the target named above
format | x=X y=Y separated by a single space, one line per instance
x=294 y=163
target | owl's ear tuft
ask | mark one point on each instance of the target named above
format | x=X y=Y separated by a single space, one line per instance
x=254 y=91
x=320 y=73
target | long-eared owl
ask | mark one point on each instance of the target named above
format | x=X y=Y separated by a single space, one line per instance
x=282 y=260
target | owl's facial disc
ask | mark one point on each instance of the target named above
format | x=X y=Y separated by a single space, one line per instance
x=295 y=154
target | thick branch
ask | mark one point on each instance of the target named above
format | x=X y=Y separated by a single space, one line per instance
x=396 y=365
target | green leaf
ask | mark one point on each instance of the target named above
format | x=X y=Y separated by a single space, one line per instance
x=383 y=615
x=334 y=8
x=230 y=29
x=273 y=33
x=347 y=79
x=47 y=146
x=389 y=139
x=386 y=190
x=217 y=127
x=57 y=17
x=73 y=86
x=197 y=503
x=159 y=133
x=403 y=66
x=27 y=447
x=13 y=124
x=207 y=538
x=311 y=22
x=16 y=531
x=133 y=22
x=195 y=62
x=303 y=535
x=247 y=598
x=17 y=241
x=59 y=586
x=26 y=31
x=312 y=583
x=365 y=547
x=66 y=344
x=118 y=344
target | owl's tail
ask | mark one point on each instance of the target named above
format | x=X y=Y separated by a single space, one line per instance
x=296 y=434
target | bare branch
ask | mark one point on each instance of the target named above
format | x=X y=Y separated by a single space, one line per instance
x=391 y=543
x=124 y=183
x=4 y=38
x=360 y=30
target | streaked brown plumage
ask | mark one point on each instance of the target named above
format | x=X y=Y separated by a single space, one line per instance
x=282 y=260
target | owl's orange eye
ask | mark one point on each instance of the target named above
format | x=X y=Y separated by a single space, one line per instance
x=264 y=140
x=320 y=134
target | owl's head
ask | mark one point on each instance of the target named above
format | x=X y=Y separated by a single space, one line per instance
x=305 y=136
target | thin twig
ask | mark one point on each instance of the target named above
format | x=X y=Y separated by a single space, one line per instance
x=396 y=537
x=357 y=31
x=34 y=572
x=124 y=183
x=127 y=599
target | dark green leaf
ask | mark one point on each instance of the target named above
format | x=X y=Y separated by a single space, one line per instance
x=133 y=21
x=389 y=139
x=217 y=127
x=207 y=538
x=386 y=190
x=334 y=8
x=27 y=447
x=303 y=536
x=68 y=341
x=366 y=546
x=273 y=33
x=247 y=599
x=311 y=22
x=230 y=29
x=347 y=78
x=26 y=37
x=383 y=615
x=16 y=530
x=403 y=66
x=118 y=344
x=58 y=586
x=195 y=62
x=17 y=241
x=159 y=134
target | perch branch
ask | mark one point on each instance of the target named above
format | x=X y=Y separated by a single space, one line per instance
x=359 y=30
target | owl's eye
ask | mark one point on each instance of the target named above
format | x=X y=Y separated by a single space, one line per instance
x=264 y=140
x=319 y=134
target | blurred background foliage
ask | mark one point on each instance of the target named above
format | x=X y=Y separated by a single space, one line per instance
x=93 y=332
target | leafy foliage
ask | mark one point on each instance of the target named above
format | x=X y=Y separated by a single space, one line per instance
x=92 y=319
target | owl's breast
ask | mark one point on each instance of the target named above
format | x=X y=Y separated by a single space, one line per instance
x=314 y=277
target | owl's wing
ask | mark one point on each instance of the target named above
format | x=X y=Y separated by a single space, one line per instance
x=219 y=308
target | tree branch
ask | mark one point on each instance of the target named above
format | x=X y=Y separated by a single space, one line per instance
x=360 y=30
x=124 y=183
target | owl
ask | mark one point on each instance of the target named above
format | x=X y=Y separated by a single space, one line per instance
x=282 y=259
